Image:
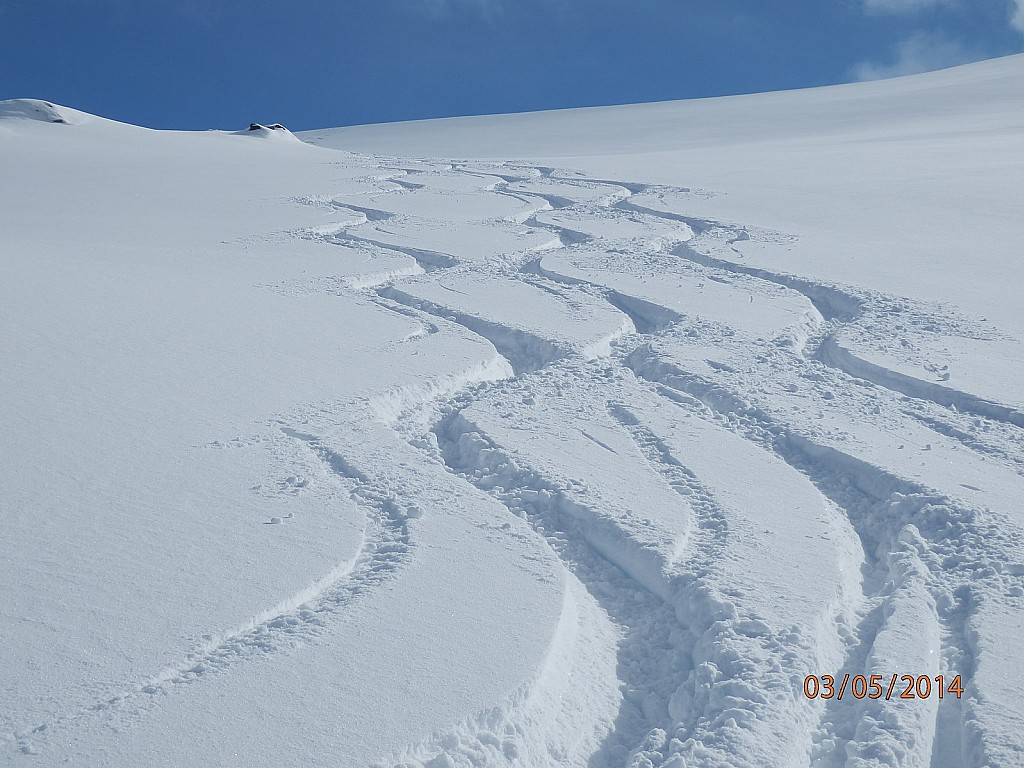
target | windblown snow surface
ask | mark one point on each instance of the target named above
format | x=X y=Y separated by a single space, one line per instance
x=564 y=439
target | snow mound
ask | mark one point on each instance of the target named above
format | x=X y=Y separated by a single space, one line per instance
x=272 y=131
x=43 y=111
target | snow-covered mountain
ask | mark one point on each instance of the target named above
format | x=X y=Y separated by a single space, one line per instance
x=576 y=438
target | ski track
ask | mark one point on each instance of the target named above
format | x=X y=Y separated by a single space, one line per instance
x=649 y=660
x=886 y=550
x=712 y=525
x=886 y=512
x=892 y=516
x=927 y=558
x=294 y=621
x=525 y=351
x=843 y=307
x=542 y=503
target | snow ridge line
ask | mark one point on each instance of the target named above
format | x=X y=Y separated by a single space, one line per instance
x=832 y=353
x=369 y=214
x=836 y=314
x=428 y=260
x=699 y=226
x=944 y=424
x=647 y=317
x=602 y=348
x=525 y=351
x=566 y=236
x=548 y=721
x=554 y=202
x=832 y=302
x=953 y=541
x=398 y=405
x=474 y=740
x=905 y=732
x=631 y=187
x=530 y=199
x=618 y=192
x=369 y=280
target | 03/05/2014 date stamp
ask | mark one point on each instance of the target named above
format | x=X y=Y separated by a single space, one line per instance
x=880 y=687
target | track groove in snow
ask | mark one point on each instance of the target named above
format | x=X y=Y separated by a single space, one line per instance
x=298 y=619
x=428 y=260
x=891 y=515
x=524 y=350
x=640 y=734
x=712 y=525
x=844 y=729
x=843 y=307
x=649 y=660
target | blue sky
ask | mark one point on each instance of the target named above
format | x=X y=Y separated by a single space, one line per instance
x=315 y=63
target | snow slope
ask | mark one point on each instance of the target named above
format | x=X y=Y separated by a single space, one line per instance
x=575 y=438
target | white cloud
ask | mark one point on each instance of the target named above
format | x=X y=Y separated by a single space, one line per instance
x=921 y=52
x=910 y=7
x=1017 y=16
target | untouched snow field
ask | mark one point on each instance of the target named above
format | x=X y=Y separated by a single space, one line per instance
x=563 y=439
